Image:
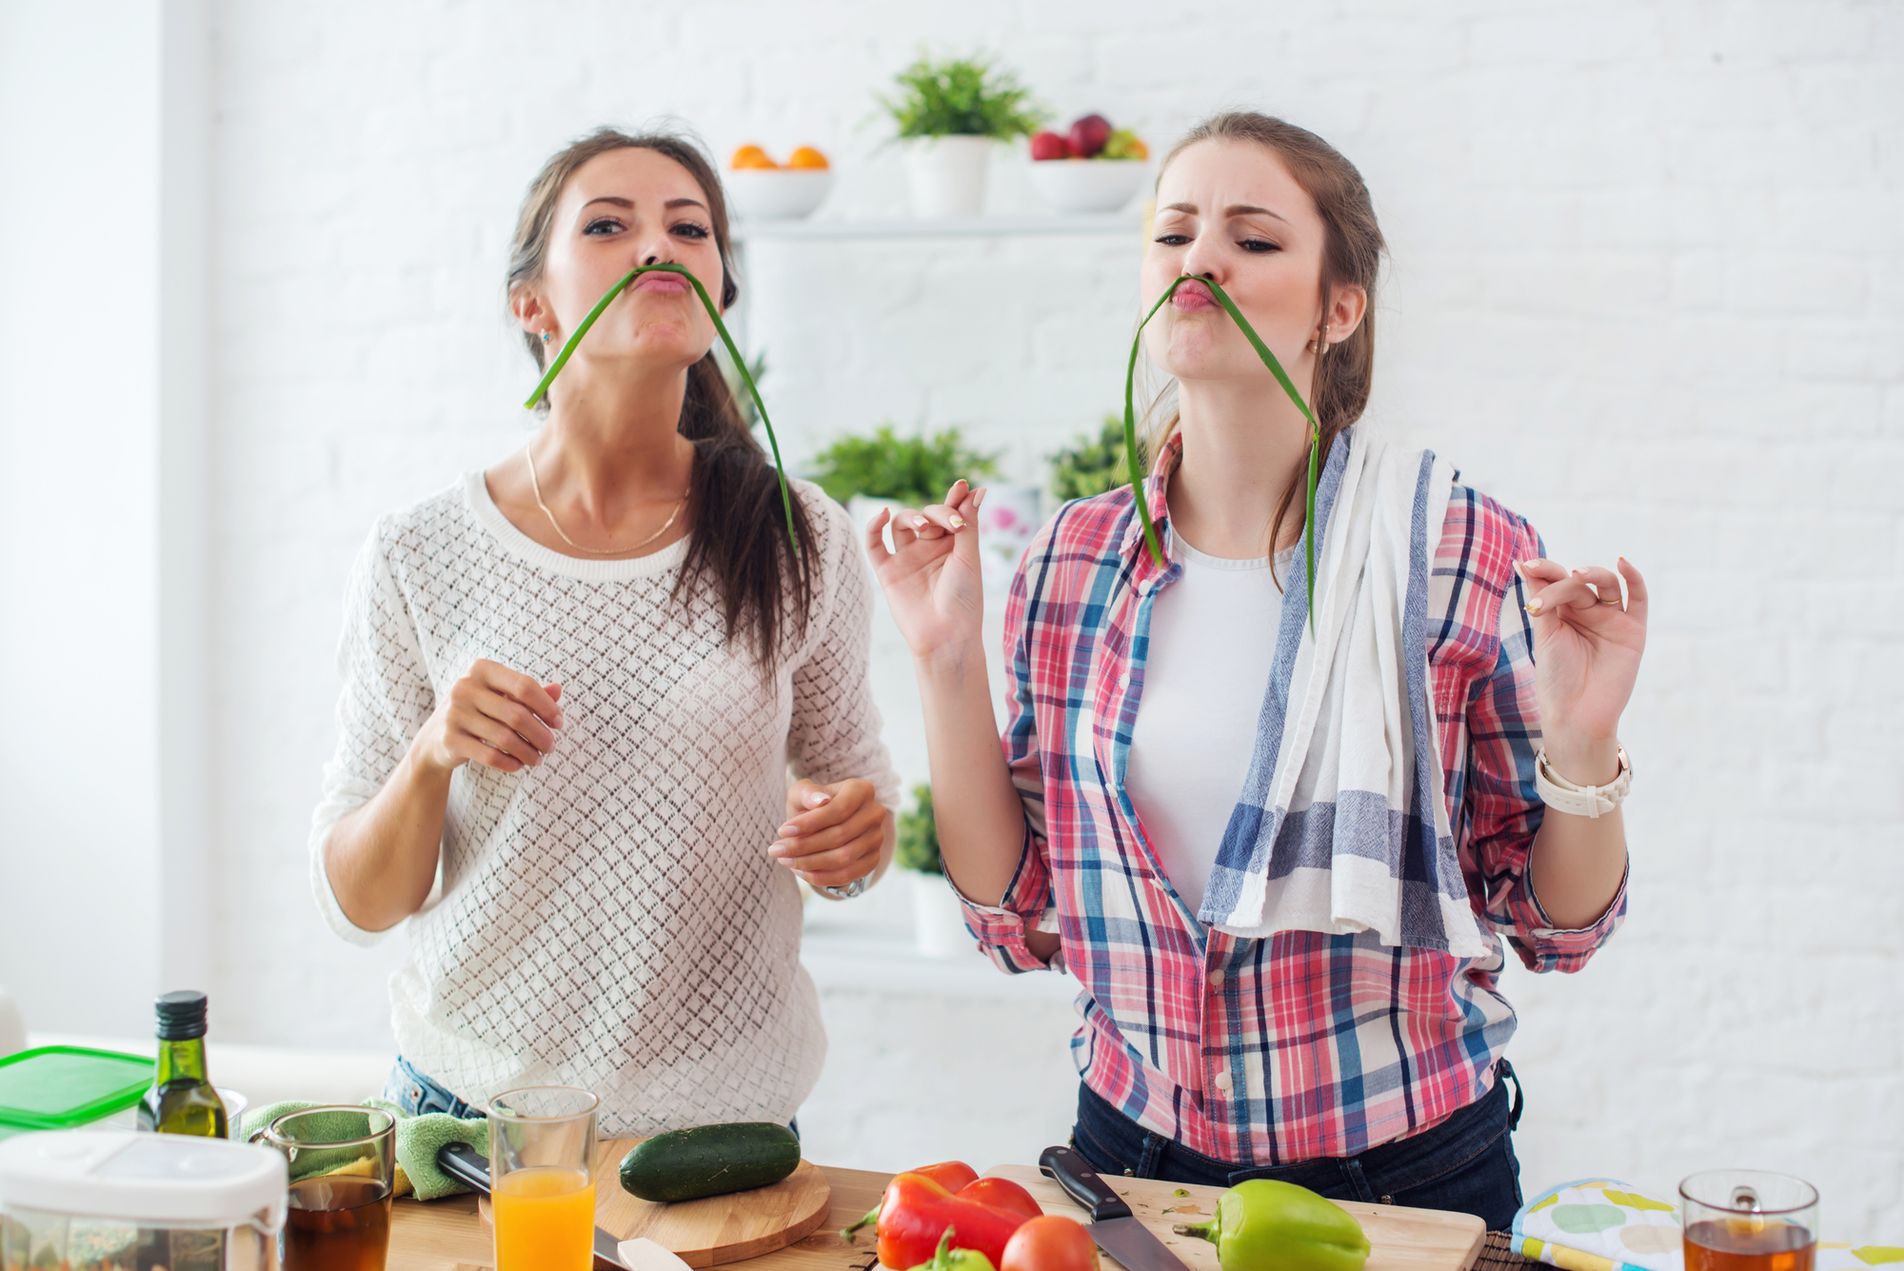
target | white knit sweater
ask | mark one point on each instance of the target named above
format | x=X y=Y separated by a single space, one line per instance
x=610 y=918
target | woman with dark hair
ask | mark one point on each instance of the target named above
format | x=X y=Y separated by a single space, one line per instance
x=1285 y=851
x=601 y=713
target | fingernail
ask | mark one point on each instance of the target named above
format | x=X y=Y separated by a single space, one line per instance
x=786 y=831
x=918 y=522
x=558 y=720
x=1529 y=564
x=978 y=499
x=958 y=522
x=777 y=849
x=1533 y=606
x=819 y=799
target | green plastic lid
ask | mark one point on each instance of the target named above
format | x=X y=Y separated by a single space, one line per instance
x=66 y=1087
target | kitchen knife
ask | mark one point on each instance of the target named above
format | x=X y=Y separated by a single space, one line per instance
x=465 y=1164
x=1113 y=1227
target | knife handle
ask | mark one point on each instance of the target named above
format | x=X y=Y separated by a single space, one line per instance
x=1082 y=1184
x=465 y=1164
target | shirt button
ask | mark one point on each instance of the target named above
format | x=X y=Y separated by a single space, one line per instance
x=1123 y=679
x=1216 y=978
x=1223 y=1080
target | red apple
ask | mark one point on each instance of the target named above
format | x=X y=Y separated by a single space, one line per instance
x=1049 y=145
x=1089 y=134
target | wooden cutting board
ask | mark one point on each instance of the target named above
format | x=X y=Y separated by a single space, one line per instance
x=719 y=1229
x=1399 y=1239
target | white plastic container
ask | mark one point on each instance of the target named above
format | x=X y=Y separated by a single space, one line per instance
x=90 y=1200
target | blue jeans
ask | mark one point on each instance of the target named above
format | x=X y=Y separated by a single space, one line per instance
x=416 y=1094
x=1466 y=1164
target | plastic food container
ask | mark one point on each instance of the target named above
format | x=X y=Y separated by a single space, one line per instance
x=71 y=1088
x=74 y=1088
x=98 y=1201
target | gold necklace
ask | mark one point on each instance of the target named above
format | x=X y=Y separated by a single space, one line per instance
x=535 y=485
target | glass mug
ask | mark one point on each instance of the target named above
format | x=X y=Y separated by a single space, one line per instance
x=342 y=1162
x=541 y=1188
x=1748 y=1220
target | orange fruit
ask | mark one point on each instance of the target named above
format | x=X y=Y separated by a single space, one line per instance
x=1138 y=150
x=807 y=157
x=751 y=156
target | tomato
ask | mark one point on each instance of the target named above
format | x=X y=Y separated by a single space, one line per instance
x=1051 y=1243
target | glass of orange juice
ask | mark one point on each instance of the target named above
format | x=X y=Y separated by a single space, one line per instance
x=541 y=1189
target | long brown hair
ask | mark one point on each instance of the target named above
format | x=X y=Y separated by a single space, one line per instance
x=740 y=539
x=1351 y=253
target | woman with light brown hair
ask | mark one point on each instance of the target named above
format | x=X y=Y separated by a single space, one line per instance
x=1283 y=846
x=599 y=713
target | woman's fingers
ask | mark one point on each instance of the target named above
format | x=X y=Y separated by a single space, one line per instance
x=498 y=738
x=1603 y=581
x=1568 y=593
x=516 y=717
x=1540 y=572
x=525 y=689
x=835 y=869
x=1635 y=590
x=801 y=850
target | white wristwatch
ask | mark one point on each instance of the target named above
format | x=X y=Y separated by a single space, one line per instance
x=1563 y=795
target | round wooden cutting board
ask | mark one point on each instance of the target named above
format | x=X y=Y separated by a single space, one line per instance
x=719 y=1229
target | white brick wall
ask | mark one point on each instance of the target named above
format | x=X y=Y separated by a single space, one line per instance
x=1647 y=288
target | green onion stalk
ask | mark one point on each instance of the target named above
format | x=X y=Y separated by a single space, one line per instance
x=740 y=364
x=1282 y=378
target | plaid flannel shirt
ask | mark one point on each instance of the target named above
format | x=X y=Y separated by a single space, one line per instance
x=1303 y=1045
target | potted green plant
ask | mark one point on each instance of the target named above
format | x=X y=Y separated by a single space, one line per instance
x=897 y=471
x=1092 y=464
x=938 y=918
x=950 y=115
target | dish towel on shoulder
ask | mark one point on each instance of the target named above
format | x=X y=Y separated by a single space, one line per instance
x=1342 y=826
x=1598 y=1224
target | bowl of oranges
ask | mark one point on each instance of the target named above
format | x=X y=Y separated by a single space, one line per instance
x=763 y=189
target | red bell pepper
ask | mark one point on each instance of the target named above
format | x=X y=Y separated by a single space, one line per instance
x=918 y=1208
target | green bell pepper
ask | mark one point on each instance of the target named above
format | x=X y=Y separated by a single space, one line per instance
x=946 y=1258
x=1264 y=1225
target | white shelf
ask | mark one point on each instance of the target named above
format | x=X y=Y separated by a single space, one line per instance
x=1051 y=225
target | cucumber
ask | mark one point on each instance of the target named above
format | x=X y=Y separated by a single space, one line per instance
x=710 y=1160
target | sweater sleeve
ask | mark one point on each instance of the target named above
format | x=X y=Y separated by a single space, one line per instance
x=835 y=731
x=384 y=698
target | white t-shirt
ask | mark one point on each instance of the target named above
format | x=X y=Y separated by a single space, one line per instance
x=1212 y=639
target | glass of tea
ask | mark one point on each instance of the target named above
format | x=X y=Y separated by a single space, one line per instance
x=1748 y=1220
x=343 y=1164
x=541 y=1184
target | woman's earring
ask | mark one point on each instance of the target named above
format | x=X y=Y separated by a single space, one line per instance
x=547 y=336
x=1322 y=342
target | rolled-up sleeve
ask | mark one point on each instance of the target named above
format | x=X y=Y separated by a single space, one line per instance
x=1028 y=903
x=1504 y=806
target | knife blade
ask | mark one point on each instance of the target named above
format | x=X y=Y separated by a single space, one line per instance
x=465 y=1164
x=1114 y=1229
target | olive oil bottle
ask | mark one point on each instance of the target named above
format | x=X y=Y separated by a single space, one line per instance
x=182 y=1100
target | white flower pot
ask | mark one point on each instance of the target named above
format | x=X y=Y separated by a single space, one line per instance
x=946 y=175
x=938 y=919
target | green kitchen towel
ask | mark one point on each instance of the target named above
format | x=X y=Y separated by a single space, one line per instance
x=419 y=1139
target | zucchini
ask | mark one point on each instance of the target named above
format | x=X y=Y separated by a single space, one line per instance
x=710 y=1160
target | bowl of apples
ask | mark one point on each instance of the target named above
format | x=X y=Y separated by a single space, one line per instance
x=763 y=189
x=1090 y=167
